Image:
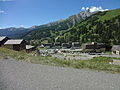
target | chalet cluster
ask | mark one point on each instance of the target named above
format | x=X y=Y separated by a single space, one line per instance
x=94 y=47
x=87 y=47
x=57 y=45
x=116 y=49
x=15 y=44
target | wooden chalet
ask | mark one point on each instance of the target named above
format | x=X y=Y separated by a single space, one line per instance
x=16 y=44
x=116 y=49
x=48 y=45
x=75 y=45
x=57 y=45
x=65 y=45
x=94 y=47
x=3 y=39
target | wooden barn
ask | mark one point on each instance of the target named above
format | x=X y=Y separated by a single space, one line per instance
x=94 y=47
x=3 y=39
x=15 y=44
x=57 y=45
x=75 y=45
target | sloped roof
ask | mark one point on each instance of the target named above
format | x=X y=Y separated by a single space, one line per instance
x=75 y=43
x=14 y=41
x=116 y=47
x=29 y=46
x=93 y=44
x=2 y=38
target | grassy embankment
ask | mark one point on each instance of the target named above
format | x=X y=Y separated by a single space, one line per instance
x=99 y=63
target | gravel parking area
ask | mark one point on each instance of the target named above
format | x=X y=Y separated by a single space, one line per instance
x=17 y=75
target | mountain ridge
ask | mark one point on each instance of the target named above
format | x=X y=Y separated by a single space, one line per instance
x=65 y=23
x=102 y=27
x=58 y=25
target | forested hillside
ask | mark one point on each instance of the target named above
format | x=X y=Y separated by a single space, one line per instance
x=52 y=29
x=103 y=27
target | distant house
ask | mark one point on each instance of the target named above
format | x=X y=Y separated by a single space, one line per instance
x=48 y=45
x=75 y=45
x=3 y=39
x=65 y=45
x=116 y=49
x=57 y=45
x=17 y=44
x=41 y=46
x=30 y=48
x=94 y=47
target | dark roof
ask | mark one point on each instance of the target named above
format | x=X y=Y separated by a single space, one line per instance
x=48 y=44
x=116 y=47
x=2 y=38
x=93 y=44
x=65 y=44
x=57 y=44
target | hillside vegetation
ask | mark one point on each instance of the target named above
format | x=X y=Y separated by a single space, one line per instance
x=103 y=27
x=51 y=30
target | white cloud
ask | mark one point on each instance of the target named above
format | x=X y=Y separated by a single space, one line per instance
x=94 y=9
x=106 y=9
x=87 y=8
x=2 y=12
x=21 y=25
x=83 y=8
x=6 y=0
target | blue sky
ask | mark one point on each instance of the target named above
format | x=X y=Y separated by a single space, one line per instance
x=27 y=13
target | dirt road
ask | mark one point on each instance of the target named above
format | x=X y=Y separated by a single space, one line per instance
x=16 y=75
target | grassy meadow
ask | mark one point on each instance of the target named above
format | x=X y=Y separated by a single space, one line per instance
x=98 y=63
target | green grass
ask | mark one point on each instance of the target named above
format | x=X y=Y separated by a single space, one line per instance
x=98 y=63
x=109 y=15
x=109 y=52
x=41 y=48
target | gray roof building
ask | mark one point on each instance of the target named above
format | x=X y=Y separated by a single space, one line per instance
x=15 y=44
x=65 y=45
x=76 y=45
x=3 y=39
x=116 y=47
x=94 y=47
x=14 y=41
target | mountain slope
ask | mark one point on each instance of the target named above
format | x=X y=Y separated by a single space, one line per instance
x=14 y=32
x=103 y=27
x=47 y=30
x=38 y=32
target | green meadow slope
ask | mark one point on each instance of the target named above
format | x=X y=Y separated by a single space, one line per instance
x=103 y=27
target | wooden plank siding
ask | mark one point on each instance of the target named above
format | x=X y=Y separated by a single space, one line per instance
x=16 y=47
